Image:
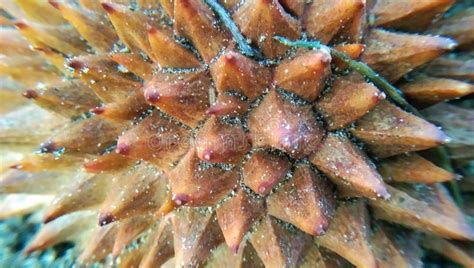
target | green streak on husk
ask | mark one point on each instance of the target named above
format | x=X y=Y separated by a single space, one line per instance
x=440 y=152
x=359 y=67
x=226 y=19
x=392 y=92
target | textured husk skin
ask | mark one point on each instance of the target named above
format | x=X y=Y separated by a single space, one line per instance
x=149 y=137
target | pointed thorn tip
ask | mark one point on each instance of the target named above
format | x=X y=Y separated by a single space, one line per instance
x=230 y=58
x=49 y=217
x=30 y=94
x=234 y=249
x=212 y=110
x=151 y=29
x=48 y=147
x=55 y=4
x=90 y=167
x=152 y=96
x=98 y=110
x=180 y=199
x=207 y=155
x=122 y=148
x=108 y=7
x=319 y=230
x=21 y=24
x=106 y=218
x=76 y=64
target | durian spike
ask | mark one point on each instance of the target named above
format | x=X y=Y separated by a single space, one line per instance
x=99 y=245
x=48 y=162
x=393 y=55
x=236 y=216
x=55 y=58
x=96 y=6
x=346 y=165
x=70 y=227
x=69 y=99
x=411 y=15
x=15 y=100
x=350 y=241
x=246 y=256
x=304 y=75
x=184 y=96
x=110 y=162
x=12 y=43
x=458 y=27
x=295 y=7
x=14 y=205
x=321 y=257
x=88 y=192
x=167 y=206
x=167 y=52
x=455 y=66
x=128 y=230
x=88 y=136
x=349 y=99
x=61 y=38
x=356 y=28
x=13 y=9
x=387 y=130
x=323 y=19
x=313 y=258
x=161 y=248
x=195 y=21
x=132 y=257
x=100 y=73
x=283 y=125
x=195 y=235
x=449 y=249
x=28 y=125
x=30 y=62
x=263 y=171
x=457 y=123
x=137 y=192
x=28 y=71
x=426 y=91
x=217 y=142
x=412 y=168
x=276 y=246
x=28 y=78
x=234 y=71
x=40 y=11
x=227 y=104
x=10 y=155
x=128 y=109
x=191 y=184
x=130 y=26
x=354 y=51
x=429 y=209
x=155 y=139
x=393 y=248
x=17 y=181
x=93 y=27
x=266 y=18
x=306 y=201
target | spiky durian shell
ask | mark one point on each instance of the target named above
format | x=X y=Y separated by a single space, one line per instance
x=191 y=144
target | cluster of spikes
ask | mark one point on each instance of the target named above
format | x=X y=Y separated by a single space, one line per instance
x=195 y=152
